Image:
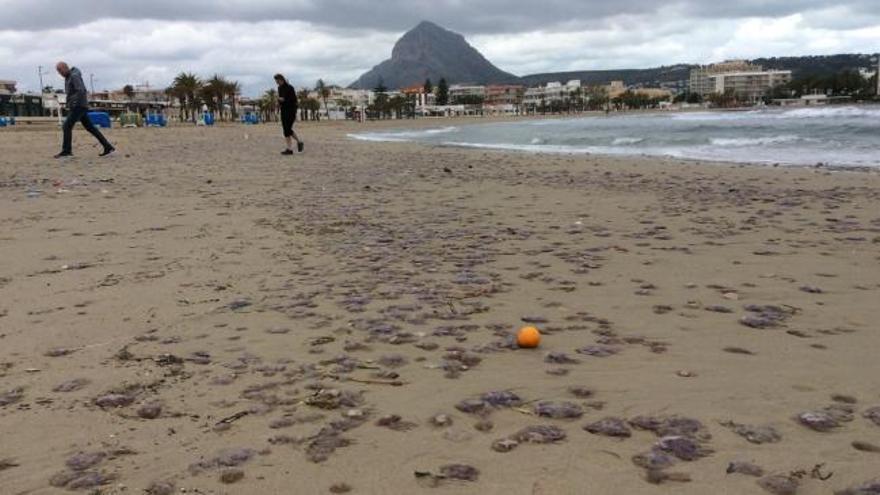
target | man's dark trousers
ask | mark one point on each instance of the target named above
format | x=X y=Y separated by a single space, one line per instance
x=81 y=114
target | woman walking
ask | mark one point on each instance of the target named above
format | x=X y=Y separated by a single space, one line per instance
x=289 y=106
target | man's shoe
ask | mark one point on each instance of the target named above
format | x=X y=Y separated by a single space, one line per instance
x=63 y=154
x=300 y=146
x=107 y=151
x=287 y=152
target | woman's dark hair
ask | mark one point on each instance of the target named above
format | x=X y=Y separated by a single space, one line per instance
x=279 y=77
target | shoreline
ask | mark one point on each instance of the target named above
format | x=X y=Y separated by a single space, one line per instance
x=572 y=150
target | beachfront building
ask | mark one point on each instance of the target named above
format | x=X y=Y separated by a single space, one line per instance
x=467 y=94
x=139 y=98
x=343 y=100
x=746 y=81
x=654 y=93
x=15 y=104
x=7 y=87
x=140 y=94
x=750 y=86
x=618 y=88
x=354 y=97
x=421 y=98
x=552 y=95
x=615 y=89
x=450 y=111
x=504 y=99
x=559 y=92
x=504 y=94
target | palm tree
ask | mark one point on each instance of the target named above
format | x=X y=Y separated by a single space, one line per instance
x=269 y=104
x=233 y=90
x=313 y=106
x=323 y=92
x=172 y=94
x=128 y=91
x=302 y=96
x=214 y=92
x=187 y=87
x=346 y=105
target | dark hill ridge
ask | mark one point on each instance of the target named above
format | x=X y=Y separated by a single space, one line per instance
x=821 y=65
x=429 y=51
x=629 y=76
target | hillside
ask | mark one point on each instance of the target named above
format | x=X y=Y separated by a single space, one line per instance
x=431 y=52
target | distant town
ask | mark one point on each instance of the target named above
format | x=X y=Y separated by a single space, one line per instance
x=729 y=84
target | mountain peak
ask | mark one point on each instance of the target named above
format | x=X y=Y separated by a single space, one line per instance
x=429 y=51
x=427 y=25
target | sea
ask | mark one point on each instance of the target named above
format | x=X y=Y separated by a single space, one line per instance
x=834 y=136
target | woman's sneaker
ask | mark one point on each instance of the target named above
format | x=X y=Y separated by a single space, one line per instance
x=300 y=146
x=287 y=152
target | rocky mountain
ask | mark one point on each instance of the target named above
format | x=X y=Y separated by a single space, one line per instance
x=431 y=52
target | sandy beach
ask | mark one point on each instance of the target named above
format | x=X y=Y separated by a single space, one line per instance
x=198 y=314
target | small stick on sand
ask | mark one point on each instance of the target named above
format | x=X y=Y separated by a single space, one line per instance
x=395 y=383
x=231 y=419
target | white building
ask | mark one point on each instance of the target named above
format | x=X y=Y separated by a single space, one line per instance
x=751 y=86
x=357 y=97
x=745 y=80
x=341 y=100
x=552 y=92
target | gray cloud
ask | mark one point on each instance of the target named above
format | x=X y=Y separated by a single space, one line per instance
x=126 y=41
x=469 y=17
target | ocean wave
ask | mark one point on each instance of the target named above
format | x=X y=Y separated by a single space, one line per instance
x=378 y=137
x=754 y=141
x=535 y=148
x=627 y=140
x=831 y=112
x=715 y=116
x=402 y=136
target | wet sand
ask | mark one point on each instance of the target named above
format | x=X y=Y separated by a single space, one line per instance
x=201 y=313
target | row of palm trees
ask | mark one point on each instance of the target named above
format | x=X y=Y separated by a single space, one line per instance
x=220 y=96
x=217 y=93
x=267 y=105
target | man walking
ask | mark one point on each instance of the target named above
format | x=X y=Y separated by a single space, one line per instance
x=77 y=111
x=289 y=106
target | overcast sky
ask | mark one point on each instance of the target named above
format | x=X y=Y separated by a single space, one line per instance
x=137 y=41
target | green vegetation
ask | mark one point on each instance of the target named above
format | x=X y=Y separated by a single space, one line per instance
x=323 y=92
x=187 y=88
x=443 y=92
x=844 y=83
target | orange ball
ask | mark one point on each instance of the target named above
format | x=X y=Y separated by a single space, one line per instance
x=528 y=337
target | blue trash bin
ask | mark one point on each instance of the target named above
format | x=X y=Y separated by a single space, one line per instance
x=100 y=119
x=2 y=121
x=156 y=120
x=209 y=118
x=250 y=119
